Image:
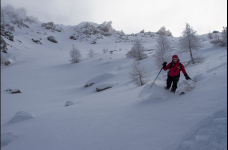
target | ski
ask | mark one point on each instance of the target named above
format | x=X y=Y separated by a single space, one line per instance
x=182 y=93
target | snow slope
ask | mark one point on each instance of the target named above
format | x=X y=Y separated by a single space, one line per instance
x=120 y=118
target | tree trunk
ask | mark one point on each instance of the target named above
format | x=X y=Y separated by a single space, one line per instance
x=191 y=56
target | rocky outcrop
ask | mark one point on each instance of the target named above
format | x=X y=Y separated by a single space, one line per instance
x=37 y=41
x=51 y=26
x=3 y=45
x=52 y=39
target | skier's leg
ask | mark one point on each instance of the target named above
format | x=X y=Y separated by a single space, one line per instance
x=174 y=86
x=168 y=82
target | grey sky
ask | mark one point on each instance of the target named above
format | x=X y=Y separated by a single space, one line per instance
x=131 y=16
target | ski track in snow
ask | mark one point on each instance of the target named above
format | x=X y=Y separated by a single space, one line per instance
x=209 y=134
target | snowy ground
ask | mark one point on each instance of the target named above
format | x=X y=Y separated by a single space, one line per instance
x=124 y=117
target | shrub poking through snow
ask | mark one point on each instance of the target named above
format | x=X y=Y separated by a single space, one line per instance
x=75 y=55
x=119 y=68
x=90 y=84
x=105 y=50
x=68 y=103
x=91 y=53
x=52 y=39
x=21 y=116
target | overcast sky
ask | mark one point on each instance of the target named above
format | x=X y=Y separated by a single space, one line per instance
x=131 y=16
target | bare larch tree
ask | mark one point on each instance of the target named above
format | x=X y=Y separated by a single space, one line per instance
x=75 y=55
x=162 y=46
x=139 y=74
x=189 y=41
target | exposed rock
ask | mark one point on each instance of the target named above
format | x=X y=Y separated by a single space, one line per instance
x=8 y=35
x=102 y=89
x=59 y=29
x=215 y=31
x=94 y=41
x=52 y=39
x=48 y=27
x=37 y=41
x=51 y=26
x=73 y=37
x=13 y=91
x=7 y=63
x=20 y=23
x=30 y=20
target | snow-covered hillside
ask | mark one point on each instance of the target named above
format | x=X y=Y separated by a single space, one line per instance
x=56 y=110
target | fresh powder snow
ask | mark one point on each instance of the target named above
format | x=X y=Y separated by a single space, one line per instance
x=124 y=117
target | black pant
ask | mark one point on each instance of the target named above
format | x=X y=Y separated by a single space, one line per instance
x=171 y=80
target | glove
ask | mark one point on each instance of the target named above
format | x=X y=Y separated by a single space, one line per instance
x=186 y=76
x=164 y=65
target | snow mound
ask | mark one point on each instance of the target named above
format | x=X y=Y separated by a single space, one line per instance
x=6 y=138
x=185 y=86
x=68 y=103
x=155 y=92
x=99 y=78
x=103 y=87
x=210 y=134
x=20 y=116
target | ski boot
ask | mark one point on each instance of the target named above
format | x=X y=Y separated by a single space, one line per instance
x=166 y=88
x=172 y=90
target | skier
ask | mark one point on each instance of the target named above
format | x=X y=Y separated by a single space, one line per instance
x=174 y=73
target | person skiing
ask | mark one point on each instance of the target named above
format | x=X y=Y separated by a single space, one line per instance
x=174 y=73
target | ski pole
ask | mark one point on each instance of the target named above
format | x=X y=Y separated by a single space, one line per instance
x=193 y=80
x=156 y=77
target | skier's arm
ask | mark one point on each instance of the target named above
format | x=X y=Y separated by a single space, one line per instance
x=184 y=72
x=167 y=67
x=183 y=69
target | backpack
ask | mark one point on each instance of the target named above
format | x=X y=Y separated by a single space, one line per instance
x=172 y=66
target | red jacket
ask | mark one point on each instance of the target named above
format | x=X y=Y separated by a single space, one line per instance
x=175 y=69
